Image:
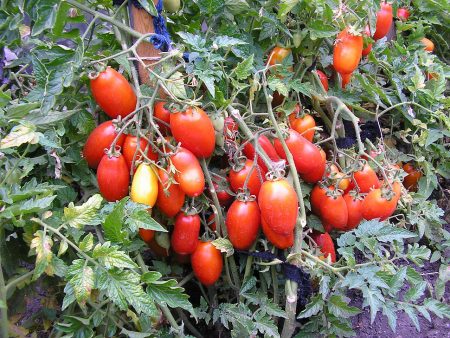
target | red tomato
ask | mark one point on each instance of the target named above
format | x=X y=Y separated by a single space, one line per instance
x=224 y=197
x=113 y=177
x=347 y=52
x=113 y=93
x=325 y=242
x=376 y=206
x=428 y=44
x=194 y=129
x=243 y=220
x=403 y=14
x=230 y=130
x=185 y=233
x=318 y=193
x=170 y=197
x=277 y=55
x=211 y=222
x=237 y=178
x=99 y=140
x=346 y=78
x=278 y=203
x=384 y=21
x=317 y=174
x=306 y=155
x=354 y=209
x=266 y=145
x=333 y=212
x=189 y=172
x=278 y=240
x=368 y=48
x=163 y=115
x=323 y=78
x=147 y=235
x=412 y=179
x=303 y=125
x=129 y=148
x=366 y=179
x=207 y=263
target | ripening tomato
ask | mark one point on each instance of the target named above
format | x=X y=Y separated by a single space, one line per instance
x=207 y=263
x=230 y=130
x=99 y=140
x=267 y=146
x=113 y=177
x=326 y=245
x=278 y=240
x=171 y=6
x=428 y=44
x=163 y=115
x=144 y=188
x=278 y=203
x=345 y=80
x=242 y=222
x=146 y=235
x=225 y=199
x=333 y=211
x=113 y=93
x=366 y=179
x=189 y=172
x=323 y=78
x=277 y=55
x=347 y=52
x=194 y=129
x=303 y=125
x=318 y=193
x=306 y=155
x=375 y=205
x=237 y=178
x=185 y=233
x=354 y=209
x=403 y=14
x=384 y=21
x=129 y=149
x=368 y=48
x=170 y=195
x=412 y=179
x=317 y=174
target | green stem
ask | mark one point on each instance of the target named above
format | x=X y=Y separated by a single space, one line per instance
x=4 y=324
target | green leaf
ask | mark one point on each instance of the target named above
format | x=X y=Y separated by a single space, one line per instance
x=224 y=245
x=123 y=288
x=151 y=276
x=418 y=253
x=176 y=85
x=391 y=314
x=210 y=6
x=324 y=287
x=28 y=206
x=110 y=256
x=415 y=292
x=193 y=40
x=312 y=308
x=149 y=6
x=141 y=219
x=87 y=243
x=86 y=214
x=319 y=30
x=410 y=311
x=222 y=41
x=44 y=16
x=81 y=277
x=113 y=223
x=42 y=245
x=286 y=6
x=278 y=85
x=244 y=68
x=42 y=118
x=439 y=309
x=391 y=233
x=23 y=133
x=396 y=281
x=374 y=299
x=338 y=307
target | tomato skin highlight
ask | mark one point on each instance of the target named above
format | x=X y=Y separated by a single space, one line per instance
x=242 y=222
x=146 y=235
x=278 y=203
x=163 y=114
x=325 y=242
x=189 y=172
x=194 y=129
x=403 y=14
x=333 y=212
x=376 y=206
x=267 y=146
x=113 y=93
x=368 y=48
x=237 y=178
x=185 y=233
x=99 y=140
x=207 y=263
x=354 y=210
x=170 y=200
x=323 y=78
x=428 y=45
x=384 y=21
x=366 y=179
x=347 y=52
x=303 y=125
x=278 y=240
x=129 y=148
x=113 y=177
x=306 y=155
x=144 y=188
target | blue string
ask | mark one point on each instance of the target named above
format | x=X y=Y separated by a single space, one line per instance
x=161 y=39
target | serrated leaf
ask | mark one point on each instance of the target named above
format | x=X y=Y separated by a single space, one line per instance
x=390 y=312
x=63 y=246
x=410 y=311
x=42 y=245
x=81 y=277
x=87 y=243
x=113 y=223
x=324 y=287
x=176 y=85
x=151 y=276
x=69 y=296
x=312 y=308
x=338 y=307
x=86 y=214
x=396 y=281
x=418 y=253
x=391 y=233
x=23 y=133
x=110 y=256
x=140 y=219
x=374 y=299
x=415 y=292
x=28 y=206
x=223 y=41
x=278 y=85
x=224 y=245
x=244 y=68
x=248 y=284
x=149 y=6
x=439 y=309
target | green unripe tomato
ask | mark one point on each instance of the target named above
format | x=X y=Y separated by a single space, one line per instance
x=171 y=6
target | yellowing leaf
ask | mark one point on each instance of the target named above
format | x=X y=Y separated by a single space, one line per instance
x=20 y=134
x=86 y=214
x=42 y=244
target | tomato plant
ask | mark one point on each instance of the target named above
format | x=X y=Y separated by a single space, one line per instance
x=170 y=197
x=248 y=173
x=113 y=177
x=185 y=233
x=384 y=21
x=347 y=52
x=243 y=222
x=207 y=263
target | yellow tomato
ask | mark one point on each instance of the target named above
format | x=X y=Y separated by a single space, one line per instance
x=144 y=188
